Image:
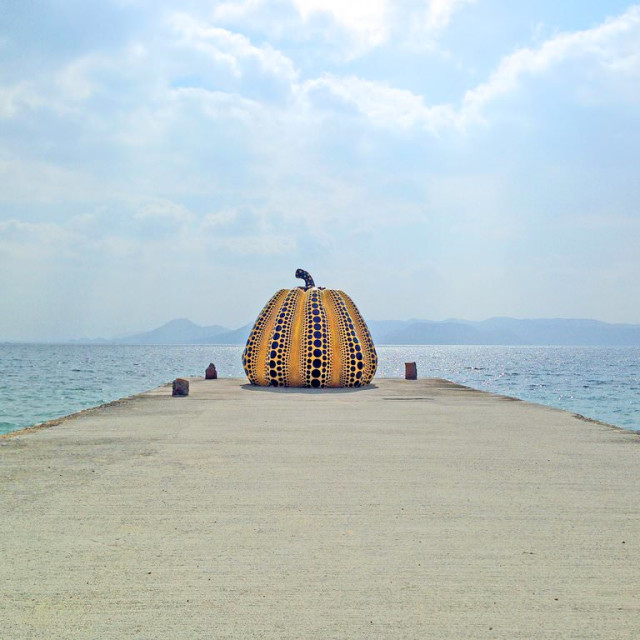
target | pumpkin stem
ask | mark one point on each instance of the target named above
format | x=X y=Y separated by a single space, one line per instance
x=308 y=280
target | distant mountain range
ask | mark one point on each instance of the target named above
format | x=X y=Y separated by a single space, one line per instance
x=182 y=331
x=508 y=331
x=495 y=331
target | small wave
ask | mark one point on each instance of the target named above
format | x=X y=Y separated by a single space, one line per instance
x=7 y=427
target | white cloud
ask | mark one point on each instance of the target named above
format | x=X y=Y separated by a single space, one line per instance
x=16 y=98
x=153 y=108
x=368 y=20
x=75 y=80
x=218 y=104
x=231 y=49
x=235 y=10
x=353 y=27
x=15 y=231
x=383 y=105
x=440 y=12
x=614 y=45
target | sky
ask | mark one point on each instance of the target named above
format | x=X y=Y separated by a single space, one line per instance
x=434 y=159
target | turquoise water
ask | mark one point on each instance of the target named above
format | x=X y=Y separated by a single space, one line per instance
x=42 y=382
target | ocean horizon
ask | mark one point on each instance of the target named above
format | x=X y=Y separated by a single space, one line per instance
x=41 y=382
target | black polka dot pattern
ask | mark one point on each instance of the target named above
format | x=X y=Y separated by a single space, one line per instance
x=317 y=364
x=250 y=354
x=280 y=343
x=352 y=356
x=333 y=346
x=371 y=358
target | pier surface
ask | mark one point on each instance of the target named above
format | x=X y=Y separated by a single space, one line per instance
x=405 y=510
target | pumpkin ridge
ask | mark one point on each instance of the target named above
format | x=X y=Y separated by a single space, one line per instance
x=255 y=342
x=334 y=346
x=370 y=357
x=356 y=350
x=263 y=355
x=279 y=345
x=295 y=368
x=343 y=331
x=317 y=352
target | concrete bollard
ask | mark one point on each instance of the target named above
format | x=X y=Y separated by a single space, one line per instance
x=180 y=387
x=211 y=373
x=410 y=371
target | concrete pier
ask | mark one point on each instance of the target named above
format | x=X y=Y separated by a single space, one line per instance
x=405 y=510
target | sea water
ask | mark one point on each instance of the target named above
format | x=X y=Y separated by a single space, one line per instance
x=41 y=382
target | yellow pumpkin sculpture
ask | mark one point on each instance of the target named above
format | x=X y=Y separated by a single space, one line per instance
x=310 y=337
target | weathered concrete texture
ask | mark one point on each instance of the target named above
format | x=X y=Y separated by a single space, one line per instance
x=408 y=510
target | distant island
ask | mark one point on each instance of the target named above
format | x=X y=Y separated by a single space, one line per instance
x=495 y=331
